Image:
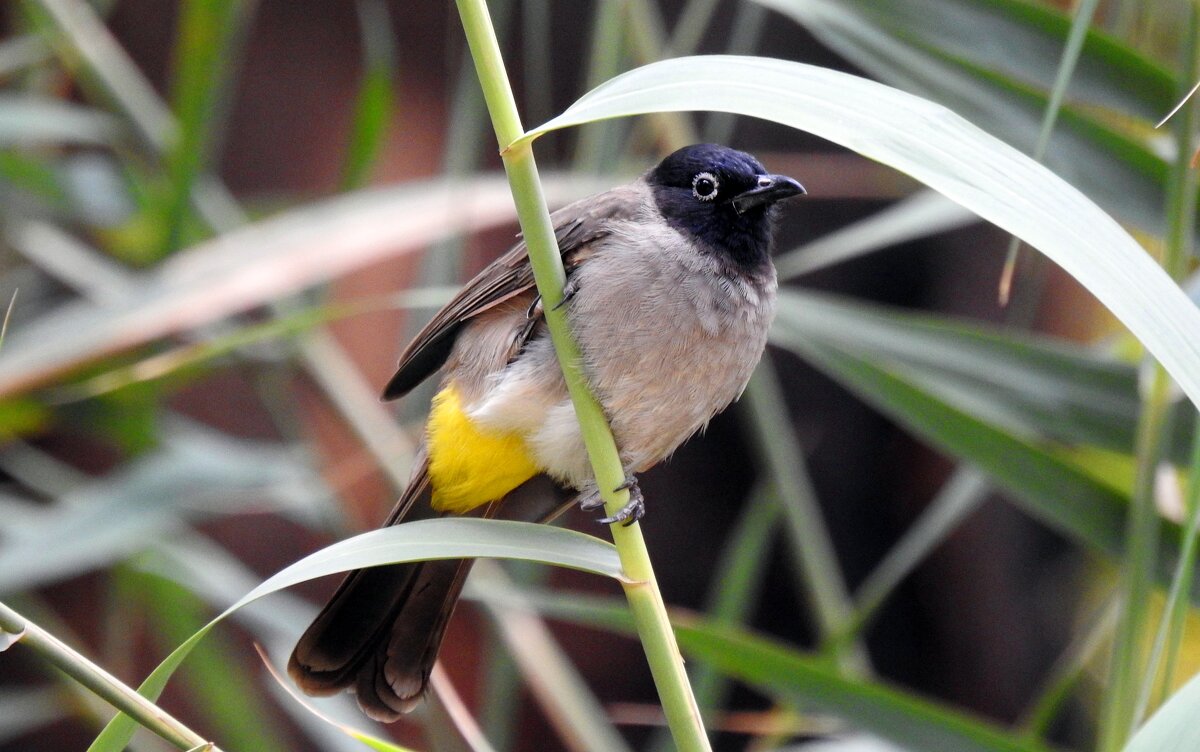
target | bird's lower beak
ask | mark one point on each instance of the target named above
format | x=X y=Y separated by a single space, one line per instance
x=770 y=188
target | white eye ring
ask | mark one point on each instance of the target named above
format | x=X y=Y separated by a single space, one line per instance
x=710 y=178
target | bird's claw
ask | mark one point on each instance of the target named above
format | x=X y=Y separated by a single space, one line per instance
x=569 y=291
x=633 y=511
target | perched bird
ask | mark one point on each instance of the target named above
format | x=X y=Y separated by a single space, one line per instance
x=670 y=291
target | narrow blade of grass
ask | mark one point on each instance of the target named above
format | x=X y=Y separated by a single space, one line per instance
x=574 y=711
x=1050 y=489
x=207 y=47
x=1129 y=668
x=375 y=100
x=257 y=264
x=824 y=589
x=1080 y=23
x=958 y=53
x=12 y=302
x=958 y=498
x=734 y=591
x=220 y=689
x=921 y=215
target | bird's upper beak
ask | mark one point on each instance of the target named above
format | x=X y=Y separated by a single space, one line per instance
x=770 y=188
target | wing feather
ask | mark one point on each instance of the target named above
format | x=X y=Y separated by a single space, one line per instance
x=576 y=227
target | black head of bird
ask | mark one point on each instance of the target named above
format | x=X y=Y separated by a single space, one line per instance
x=722 y=197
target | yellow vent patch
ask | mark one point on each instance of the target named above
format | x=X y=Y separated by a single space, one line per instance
x=469 y=467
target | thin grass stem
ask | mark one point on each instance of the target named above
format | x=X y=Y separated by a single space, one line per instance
x=958 y=498
x=1067 y=670
x=571 y=708
x=373 y=104
x=1080 y=24
x=96 y=679
x=1170 y=627
x=1120 y=714
x=608 y=52
x=1177 y=252
x=824 y=588
x=736 y=586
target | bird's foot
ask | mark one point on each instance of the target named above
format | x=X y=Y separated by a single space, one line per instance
x=569 y=291
x=633 y=511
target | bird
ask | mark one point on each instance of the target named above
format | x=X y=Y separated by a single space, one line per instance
x=670 y=292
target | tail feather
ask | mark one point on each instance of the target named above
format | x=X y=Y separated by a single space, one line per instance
x=347 y=629
x=398 y=674
x=349 y=641
x=380 y=633
x=414 y=641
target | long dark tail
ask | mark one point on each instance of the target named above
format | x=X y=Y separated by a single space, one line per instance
x=380 y=632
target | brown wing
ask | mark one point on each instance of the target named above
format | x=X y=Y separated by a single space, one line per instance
x=575 y=227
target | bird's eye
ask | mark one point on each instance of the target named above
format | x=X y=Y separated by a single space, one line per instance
x=704 y=186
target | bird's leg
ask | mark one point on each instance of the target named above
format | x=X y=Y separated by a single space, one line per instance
x=589 y=498
x=633 y=511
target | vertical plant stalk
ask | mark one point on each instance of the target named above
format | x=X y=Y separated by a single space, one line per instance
x=375 y=99
x=825 y=591
x=209 y=37
x=1179 y=250
x=1137 y=572
x=570 y=707
x=605 y=59
x=1119 y=716
x=99 y=681
x=1068 y=668
x=645 y=600
x=1174 y=614
x=1080 y=25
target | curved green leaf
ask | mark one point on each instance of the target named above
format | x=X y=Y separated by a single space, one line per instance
x=1051 y=489
x=1173 y=728
x=449 y=538
x=1055 y=491
x=937 y=147
x=446 y=538
x=1033 y=386
x=194 y=473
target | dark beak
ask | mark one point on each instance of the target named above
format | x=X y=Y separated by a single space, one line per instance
x=770 y=188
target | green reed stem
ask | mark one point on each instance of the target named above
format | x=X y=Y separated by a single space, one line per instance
x=645 y=600
x=99 y=681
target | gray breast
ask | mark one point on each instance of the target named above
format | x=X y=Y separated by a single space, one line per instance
x=668 y=339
